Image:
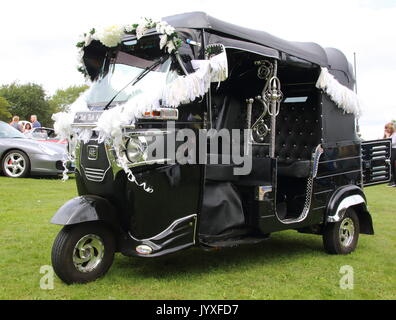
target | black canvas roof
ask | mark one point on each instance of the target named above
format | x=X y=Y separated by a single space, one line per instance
x=308 y=51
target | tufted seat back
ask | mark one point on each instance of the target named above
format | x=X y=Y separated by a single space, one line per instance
x=298 y=132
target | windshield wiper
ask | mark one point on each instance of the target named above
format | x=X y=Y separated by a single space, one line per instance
x=135 y=80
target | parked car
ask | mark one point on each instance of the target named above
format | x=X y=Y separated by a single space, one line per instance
x=45 y=134
x=21 y=157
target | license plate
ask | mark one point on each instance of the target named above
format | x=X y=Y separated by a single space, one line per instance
x=87 y=117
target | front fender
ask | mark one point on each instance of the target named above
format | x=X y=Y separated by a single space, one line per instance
x=85 y=209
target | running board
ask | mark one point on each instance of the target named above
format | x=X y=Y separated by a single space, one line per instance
x=229 y=243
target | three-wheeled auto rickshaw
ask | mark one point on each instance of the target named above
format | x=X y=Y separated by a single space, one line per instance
x=296 y=102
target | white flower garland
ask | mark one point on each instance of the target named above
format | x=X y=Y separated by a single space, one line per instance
x=345 y=98
x=111 y=36
x=183 y=89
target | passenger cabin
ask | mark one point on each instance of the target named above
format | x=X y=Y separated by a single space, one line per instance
x=307 y=118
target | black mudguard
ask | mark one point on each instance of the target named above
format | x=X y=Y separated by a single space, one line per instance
x=85 y=209
x=366 y=223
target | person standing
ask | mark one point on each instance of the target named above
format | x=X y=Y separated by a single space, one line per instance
x=391 y=134
x=34 y=121
x=15 y=123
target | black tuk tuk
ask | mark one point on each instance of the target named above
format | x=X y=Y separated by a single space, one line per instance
x=294 y=112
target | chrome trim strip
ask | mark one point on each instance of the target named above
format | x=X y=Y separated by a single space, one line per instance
x=97 y=170
x=338 y=174
x=253 y=51
x=147 y=132
x=322 y=192
x=319 y=208
x=148 y=162
x=167 y=230
x=95 y=176
x=344 y=205
x=341 y=159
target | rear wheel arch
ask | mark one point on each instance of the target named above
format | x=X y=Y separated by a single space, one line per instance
x=365 y=220
x=346 y=197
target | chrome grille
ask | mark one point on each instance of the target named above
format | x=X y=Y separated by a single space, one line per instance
x=95 y=175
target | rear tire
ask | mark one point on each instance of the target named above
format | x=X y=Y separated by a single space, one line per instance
x=83 y=253
x=342 y=237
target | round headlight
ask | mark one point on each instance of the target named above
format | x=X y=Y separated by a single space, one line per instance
x=136 y=149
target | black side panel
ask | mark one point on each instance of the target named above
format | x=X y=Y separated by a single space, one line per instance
x=376 y=157
x=337 y=125
x=176 y=195
x=222 y=209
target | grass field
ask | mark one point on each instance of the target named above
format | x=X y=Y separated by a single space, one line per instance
x=288 y=266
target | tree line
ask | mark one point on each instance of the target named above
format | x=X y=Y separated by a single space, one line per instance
x=23 y=100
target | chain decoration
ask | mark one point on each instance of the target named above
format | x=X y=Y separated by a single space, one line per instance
x=308 y=195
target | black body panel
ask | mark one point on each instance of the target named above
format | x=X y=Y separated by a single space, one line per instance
x=337 y=125
x=176 y=195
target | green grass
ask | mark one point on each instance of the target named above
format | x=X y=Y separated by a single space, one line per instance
x=288 y=266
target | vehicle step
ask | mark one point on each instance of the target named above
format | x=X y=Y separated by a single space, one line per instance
x=234 y=242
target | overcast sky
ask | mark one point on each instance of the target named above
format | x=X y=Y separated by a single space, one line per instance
x=38 y=37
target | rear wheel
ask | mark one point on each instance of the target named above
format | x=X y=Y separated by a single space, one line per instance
x=16 y=164
x=83 y=253
x=342 y=237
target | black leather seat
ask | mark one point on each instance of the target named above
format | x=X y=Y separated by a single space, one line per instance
x=298 y=134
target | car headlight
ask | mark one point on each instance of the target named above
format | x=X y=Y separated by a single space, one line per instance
x=136 y=149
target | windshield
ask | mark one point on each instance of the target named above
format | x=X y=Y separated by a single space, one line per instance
x=125 y=65
x=6 y=131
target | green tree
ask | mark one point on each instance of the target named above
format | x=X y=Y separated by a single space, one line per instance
x=5 y=115
x=65 y=97
x=27 y=99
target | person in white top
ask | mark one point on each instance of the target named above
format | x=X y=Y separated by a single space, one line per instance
x=391 y=134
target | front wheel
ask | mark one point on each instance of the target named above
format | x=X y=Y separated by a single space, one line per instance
x=342 y=237
x=16 y=164
x=83 y=253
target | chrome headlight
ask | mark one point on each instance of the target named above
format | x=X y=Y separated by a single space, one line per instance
x=136 y=149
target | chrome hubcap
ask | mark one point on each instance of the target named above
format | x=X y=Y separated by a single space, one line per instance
x=88 y=253
x=14 y=165
x=347 y=232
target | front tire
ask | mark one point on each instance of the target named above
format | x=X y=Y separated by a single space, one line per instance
x=342 y=237
x=16 y=164
x=83 y=253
